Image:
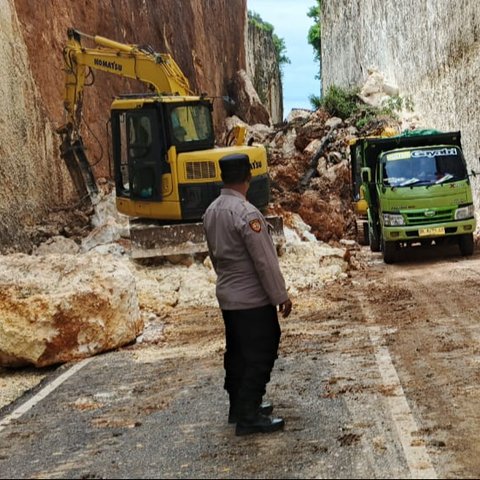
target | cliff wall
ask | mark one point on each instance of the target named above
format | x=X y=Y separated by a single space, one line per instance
x=429 y=49
x=263 y=69
x=31 y=178
x=206 y=38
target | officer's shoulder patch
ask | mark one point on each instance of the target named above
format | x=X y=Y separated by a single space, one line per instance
x=255 y=225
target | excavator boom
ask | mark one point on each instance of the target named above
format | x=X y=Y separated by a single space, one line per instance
x=159 y=70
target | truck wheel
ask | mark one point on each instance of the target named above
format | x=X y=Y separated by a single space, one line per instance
x=466 y=244
x=389 y=251
x=366 y=236
x=374 y=240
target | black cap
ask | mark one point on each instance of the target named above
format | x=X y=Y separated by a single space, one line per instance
x=235 y=168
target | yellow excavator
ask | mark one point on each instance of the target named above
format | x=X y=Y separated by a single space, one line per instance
x=165 y=162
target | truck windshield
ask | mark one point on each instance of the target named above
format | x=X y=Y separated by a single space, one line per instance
x=423 y=166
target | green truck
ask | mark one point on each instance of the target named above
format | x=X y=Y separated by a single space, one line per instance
x=412 y=189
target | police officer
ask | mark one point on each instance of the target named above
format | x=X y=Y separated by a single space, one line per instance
x=249 y=288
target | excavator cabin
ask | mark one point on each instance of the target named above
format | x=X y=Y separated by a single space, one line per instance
x=165 y=164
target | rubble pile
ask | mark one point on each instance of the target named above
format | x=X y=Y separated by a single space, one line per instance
x=310 y=172
x=309 y=159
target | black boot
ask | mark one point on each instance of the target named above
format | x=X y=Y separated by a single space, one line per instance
x=266 y=408
x=258 y=423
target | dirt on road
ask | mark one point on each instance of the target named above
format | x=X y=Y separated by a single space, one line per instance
x=427 y=307
x=378 y=377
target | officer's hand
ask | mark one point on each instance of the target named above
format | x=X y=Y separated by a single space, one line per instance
x=285 y=308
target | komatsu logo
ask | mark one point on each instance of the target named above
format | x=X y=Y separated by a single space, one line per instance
x=110 y=65
x=255 y=164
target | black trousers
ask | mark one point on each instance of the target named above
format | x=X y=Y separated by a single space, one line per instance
x=252 y=339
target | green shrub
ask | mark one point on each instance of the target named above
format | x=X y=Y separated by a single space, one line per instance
x=340 y=102
x=345 y=103
x=315 y=101
x=396 y=104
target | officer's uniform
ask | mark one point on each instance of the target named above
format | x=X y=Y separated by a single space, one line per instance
x=249 y=287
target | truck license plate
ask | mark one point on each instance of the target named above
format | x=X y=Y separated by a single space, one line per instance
x=427 y=232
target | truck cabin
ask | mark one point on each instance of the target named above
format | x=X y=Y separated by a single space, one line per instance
x=366 y=152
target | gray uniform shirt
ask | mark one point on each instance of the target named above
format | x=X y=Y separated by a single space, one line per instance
x=243 y=254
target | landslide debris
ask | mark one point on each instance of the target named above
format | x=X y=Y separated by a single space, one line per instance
x=308 y=158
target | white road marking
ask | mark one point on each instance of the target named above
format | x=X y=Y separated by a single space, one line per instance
x=415 y=451
x=25 y=407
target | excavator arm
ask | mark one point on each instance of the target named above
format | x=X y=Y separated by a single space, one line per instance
x=158 y=70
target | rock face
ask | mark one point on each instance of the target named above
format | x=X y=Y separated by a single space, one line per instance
x=205 y=37
x=248 y=106
x=30 y=180
x=263 y=69
x=430 y=50
x=57 y=308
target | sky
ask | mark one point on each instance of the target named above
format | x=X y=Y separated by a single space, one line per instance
x=290 y=22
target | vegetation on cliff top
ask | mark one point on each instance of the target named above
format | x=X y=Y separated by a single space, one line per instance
x=315 y=40
x=278 y=43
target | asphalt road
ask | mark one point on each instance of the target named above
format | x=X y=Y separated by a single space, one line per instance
x=117 y=418
x=349 y=383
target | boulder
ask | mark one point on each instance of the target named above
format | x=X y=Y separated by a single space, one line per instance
x=59 y=307
x=299 y=114
x=248 y=106
x=57 y=244
x=376 y=89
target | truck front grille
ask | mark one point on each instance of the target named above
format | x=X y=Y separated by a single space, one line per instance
x=200 y=170
x=439 y=216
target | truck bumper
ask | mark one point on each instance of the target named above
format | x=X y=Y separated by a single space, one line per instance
x=436 y=230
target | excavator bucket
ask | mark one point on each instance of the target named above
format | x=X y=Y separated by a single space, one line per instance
x=153 y=240
x=73 y=153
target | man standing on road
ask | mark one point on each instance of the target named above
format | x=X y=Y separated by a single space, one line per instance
x=249 y=287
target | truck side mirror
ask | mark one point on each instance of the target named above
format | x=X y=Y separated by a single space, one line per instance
x=366 y=173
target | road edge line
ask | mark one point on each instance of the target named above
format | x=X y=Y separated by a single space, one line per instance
x=44 y=392
x=416 y=455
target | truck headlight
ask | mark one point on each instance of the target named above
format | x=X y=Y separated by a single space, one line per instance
x=393 y=219
x=464 y=212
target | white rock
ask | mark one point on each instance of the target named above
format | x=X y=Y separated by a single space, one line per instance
x=104 y=234
x=301 y=230
x=333 y=122
x=233 y=121
x=58 y=308
x=391 y=90
x=57 y=244
x=109 y=249
x=299 y=114
x=288 y=148
x=312 y=147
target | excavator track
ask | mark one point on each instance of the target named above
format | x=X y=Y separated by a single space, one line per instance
x=150 y=239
